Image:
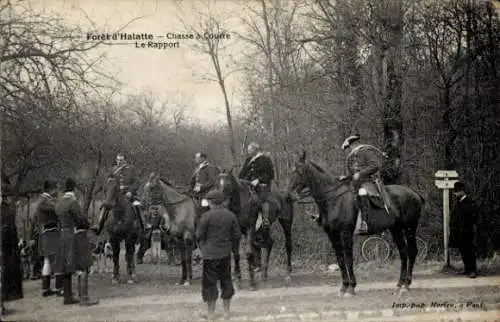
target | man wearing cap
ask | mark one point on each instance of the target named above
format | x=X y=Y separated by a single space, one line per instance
x=73 y=255
x=464 y=217
x=259 y=170
x=45 y=222
x=363 y=163
x=217 y=231
x=203 y=180
x=129 y=184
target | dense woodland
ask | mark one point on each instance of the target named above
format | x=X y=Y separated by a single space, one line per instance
x=417 y=78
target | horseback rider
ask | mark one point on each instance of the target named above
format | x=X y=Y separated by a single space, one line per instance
x=363 y=163
x=259 y=170
x=129 y=184
x=203 y=180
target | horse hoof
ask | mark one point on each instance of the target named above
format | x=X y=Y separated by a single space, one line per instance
x=114 y=281
x=187 y=283
x=403 y=290
x=347 y=294
x=130 y=281
x=288 y=280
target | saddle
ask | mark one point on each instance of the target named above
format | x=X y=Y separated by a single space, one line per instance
x=378 y=196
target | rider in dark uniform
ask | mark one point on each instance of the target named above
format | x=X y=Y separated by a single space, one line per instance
x=259 y=170
x=46 y=222
x=129 y=184
x=364 y=163
x=202 y=181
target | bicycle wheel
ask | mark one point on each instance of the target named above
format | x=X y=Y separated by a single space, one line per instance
x=376 y=249
x=422 y=250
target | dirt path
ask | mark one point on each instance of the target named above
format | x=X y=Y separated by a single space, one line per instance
x=464 y=298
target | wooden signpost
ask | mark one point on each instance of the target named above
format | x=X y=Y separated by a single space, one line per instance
x=445 y=181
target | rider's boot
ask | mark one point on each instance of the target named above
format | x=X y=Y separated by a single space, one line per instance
x=265 y=215
x=83 y=290
x=364 y=203
x=100 y=224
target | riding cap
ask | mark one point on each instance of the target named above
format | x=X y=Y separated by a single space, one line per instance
x=49 y=184
x=69 y=184
x=215 y=196
x=458 y=186
x=350 y=140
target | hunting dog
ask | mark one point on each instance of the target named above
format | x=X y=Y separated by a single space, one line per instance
x=102 y=257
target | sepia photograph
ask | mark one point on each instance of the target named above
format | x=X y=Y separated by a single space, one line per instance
x=258 y=160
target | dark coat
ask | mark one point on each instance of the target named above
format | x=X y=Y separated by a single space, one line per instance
x=70 y=218
x=12 y=279
x=206 y=176
x=127 y=177
x=367 y=160
x=45 y=222
x=217 y=230
x=260 y=168
x=463 y=218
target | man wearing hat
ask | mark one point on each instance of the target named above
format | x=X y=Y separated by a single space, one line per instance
x=72 y=257
x=46 y=223
x=363 y=163
x=464 y=217
x=217 y=231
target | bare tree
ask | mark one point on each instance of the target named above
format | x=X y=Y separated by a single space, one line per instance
x=213 y=37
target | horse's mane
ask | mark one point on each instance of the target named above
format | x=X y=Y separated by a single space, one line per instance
x=170 y=193
x=321 y=170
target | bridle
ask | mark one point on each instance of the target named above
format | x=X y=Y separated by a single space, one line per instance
x=302 y=196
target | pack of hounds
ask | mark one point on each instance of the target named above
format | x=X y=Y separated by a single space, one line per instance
x=102 y=258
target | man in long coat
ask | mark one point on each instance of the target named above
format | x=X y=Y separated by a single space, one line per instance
x=259 y=170
x=203 y=180
x=12 y=279
x=364 y=162
x=46 y=222
x=464 y=217
x=70 y=217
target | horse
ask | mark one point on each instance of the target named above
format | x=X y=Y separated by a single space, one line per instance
x=125 y=225
x=179 y=220
x=244 y=202
x=335 y=199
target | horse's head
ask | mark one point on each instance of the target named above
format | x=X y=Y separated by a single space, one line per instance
x=299 y=179
x=227 y=182
x=112 y=190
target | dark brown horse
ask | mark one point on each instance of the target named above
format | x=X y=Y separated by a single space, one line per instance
x=245 y=204
x=338 y=214
x=124 y=225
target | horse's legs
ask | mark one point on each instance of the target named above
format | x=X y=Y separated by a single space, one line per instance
x=182 y=250
x=347 y=244
x=189 y=245
x=335 y=240
x=251 y=259
x=400 y=241
x=236 y=258
x=129 y=257
x=115 y=246
x=287 y=229
x=144 y=246
x=266 y=251
x=412 y=252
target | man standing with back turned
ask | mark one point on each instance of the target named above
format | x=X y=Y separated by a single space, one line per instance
x=464 y=217
x=217 y=231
